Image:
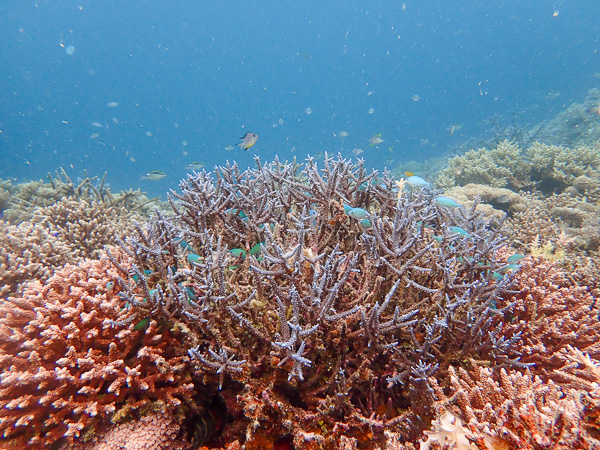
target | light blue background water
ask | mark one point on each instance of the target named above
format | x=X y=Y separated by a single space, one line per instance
x=206 y=72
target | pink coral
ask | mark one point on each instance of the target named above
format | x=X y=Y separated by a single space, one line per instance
x=154 y=432
x=66 y=361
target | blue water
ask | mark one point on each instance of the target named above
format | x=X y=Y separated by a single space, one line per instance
x=204 y=73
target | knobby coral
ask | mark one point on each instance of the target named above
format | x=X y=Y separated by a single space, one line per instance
x=320 y=302
x=67 y=361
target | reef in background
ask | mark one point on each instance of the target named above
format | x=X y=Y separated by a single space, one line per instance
x=46 y=225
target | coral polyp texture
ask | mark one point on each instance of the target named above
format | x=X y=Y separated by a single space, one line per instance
x=67 y=362
x=319 y=302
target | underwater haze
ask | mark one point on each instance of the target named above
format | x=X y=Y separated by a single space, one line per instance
x=135 y=87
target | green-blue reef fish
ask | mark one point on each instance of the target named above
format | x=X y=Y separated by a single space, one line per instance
x=154 y=175
x=365 y=223
x=458 y=230
x=193 y=258
x=515 y=258
x=248 y=140
x=358 y=213
x=416 y=181
x=447 y=202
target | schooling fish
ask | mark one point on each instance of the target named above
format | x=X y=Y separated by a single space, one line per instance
x=248 y=140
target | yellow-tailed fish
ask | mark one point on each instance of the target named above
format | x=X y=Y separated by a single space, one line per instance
x=409 y=174
x=248 y=140
x=154 y=175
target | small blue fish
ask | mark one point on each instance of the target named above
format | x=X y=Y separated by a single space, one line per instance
x=193 y=258
x=515 y=258
x=458 y=230
x=248 y=140
x=447 y=202
x=237 y=253
x=365 y=223
x=416 y=181
x=358 y=213
x=184 y=245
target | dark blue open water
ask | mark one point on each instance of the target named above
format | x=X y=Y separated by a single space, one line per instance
x=202 y=73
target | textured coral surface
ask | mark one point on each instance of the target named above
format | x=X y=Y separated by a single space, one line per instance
x=305 y=307
x=64 y=361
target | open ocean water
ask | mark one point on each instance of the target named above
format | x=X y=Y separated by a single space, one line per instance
x=132 y=87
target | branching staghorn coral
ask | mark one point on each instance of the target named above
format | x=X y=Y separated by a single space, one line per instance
x=326 y=317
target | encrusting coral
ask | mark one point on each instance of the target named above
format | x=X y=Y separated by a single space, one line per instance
x=319 y=301
x=67 y=362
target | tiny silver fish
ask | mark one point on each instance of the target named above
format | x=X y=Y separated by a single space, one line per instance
x=154 y=175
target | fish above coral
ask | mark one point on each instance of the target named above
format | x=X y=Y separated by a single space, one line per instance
x=248 y=140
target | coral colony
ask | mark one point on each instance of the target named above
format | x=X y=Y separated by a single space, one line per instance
x=292 y=306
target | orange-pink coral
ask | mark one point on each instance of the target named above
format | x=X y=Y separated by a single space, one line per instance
x=65 y=364
x=158 y=431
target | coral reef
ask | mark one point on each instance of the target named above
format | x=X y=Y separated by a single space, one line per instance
x=579 y=124
x=554 y=309
x=292 y=306
x=547 y=168
x=67 y=360
x=28 y=252
x=66 y=231
x=18 y=202
x=498 y=167
x=493 y=201
x=555 y=189
x=319 y=302
x=157 y=431
x=518 y=410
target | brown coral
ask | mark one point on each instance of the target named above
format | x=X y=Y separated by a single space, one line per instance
x=67 y=362
x=517 y=410
x=553 y=310
x=63 y=232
